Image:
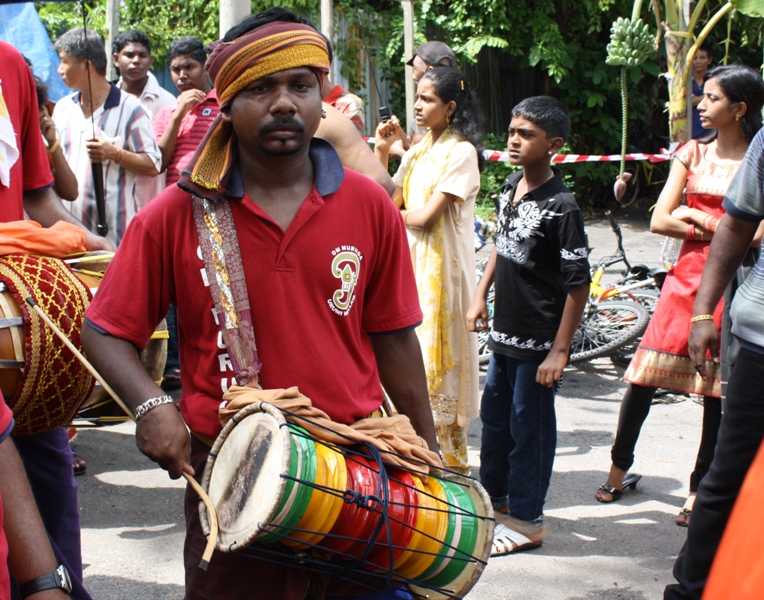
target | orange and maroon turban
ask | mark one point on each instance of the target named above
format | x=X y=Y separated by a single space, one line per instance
x=233 y=66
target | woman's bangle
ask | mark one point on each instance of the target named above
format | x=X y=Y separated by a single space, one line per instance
x=151 y=404
x=691 y=232
x=404 y=214
x=53 y=147
x=697 y=318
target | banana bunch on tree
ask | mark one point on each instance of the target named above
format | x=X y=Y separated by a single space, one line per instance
x=631 y=43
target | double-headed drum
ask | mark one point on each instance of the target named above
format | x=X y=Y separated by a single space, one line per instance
x=41 y=379
x=99 y=408
x=275 y=486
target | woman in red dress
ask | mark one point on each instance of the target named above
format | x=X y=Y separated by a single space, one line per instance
x=731 y=105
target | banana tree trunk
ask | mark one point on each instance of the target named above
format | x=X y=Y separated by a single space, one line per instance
x=677 y=48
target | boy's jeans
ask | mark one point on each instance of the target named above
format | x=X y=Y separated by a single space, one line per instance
x=519 y=437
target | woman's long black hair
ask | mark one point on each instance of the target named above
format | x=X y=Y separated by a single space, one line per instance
x=742 y=84
x=467 y=120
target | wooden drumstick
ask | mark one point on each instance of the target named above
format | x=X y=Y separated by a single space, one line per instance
x=207 y=556
x=91 y=258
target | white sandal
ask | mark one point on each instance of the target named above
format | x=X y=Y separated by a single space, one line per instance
x=507 y=541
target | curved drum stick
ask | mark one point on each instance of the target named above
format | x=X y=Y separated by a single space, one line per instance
x=207 y=556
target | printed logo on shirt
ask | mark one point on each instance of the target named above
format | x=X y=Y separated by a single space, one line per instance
x=577 y=254
x=206 y=112
x=517 y=226
x=346 y=266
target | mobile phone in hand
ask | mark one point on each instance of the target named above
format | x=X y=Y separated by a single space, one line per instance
x=384 y=114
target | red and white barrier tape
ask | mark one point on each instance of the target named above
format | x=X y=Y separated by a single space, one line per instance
x=503 y=156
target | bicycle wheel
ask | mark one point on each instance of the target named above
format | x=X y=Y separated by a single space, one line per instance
x=647 y=297
x=607 y=326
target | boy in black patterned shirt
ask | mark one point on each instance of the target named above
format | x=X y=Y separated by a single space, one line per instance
x=540 y=271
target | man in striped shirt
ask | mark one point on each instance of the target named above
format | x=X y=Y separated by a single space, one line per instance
x=131 y=53
x=180 y=128
x=119 y=134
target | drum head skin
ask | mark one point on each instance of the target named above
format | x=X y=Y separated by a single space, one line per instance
x=243 y=475
x=466 y=580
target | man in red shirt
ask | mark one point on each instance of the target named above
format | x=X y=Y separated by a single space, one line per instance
x=47 y=456
x=321 y=280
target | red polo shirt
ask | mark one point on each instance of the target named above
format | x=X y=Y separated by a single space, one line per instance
x=341 y=271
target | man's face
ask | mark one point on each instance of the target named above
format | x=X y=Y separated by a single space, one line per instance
x=188 y=73
x=527 y=142
x=701 y=62
x=278 y=114
x=74 y=73
x=133 y=62
x=420 y=68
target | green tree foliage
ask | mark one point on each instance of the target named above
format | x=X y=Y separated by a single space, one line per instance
x=161 y=21
x=558 y=44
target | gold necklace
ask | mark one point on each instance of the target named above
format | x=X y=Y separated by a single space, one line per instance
x=732 y=155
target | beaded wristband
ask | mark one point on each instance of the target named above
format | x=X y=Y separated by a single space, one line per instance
x=151 y=404
x=697 y=318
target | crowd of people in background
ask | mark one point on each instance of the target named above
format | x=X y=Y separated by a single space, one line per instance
x=240 y=156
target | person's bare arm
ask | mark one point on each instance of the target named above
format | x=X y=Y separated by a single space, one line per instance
x=169 y=138
x=66 y=182
x=662 y=220
x=29 y=551
x=477 y=314
x=139 y=163
x=426 y=216
x=401 y=371
x=386 y=134
x=551 y=369
x=731 y=242
x=353 y=151
x=398 y=196
x=161 y=434
x=44 y=207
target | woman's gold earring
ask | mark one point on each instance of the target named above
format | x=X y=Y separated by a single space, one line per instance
x=448 y=119
x=737 y=117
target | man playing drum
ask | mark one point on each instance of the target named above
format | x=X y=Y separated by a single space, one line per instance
x=265 y=237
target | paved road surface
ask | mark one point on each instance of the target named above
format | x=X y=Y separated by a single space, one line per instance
x=132 y=514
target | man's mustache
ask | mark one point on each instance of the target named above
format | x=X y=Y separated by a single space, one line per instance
x=286 y=122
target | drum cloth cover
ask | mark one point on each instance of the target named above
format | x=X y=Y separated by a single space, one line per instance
x=53 y=382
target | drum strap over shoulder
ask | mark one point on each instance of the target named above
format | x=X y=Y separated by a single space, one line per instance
x=219 y=244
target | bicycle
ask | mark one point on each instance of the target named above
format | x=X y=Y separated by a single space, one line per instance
x=616 y=316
